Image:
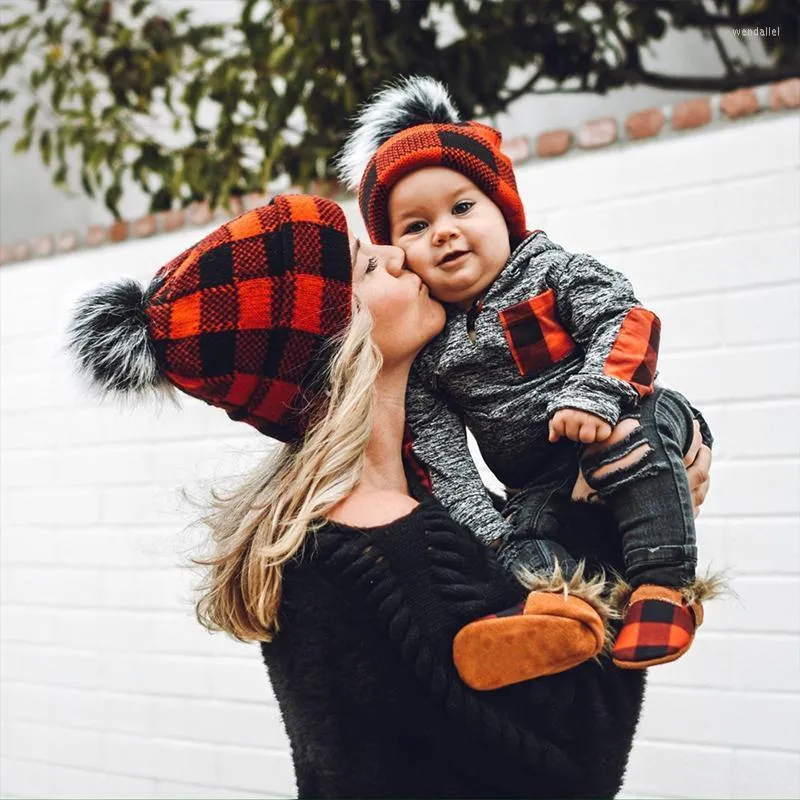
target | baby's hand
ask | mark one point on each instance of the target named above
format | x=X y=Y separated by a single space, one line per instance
x=579 y=426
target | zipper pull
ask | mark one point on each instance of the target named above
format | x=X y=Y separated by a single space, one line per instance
x=472 y=315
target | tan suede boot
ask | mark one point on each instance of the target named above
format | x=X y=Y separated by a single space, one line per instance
x=549 y=634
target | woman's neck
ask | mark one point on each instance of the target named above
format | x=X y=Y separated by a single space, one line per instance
x=383 y=466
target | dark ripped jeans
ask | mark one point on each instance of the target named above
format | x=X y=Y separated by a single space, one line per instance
x=650 y=499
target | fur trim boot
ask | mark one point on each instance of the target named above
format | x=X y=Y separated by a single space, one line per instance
x=561 y=624
x=660 y=622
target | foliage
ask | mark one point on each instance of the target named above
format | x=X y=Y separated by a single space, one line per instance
x=197 y=111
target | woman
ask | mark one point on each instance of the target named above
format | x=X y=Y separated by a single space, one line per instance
x=332 y=554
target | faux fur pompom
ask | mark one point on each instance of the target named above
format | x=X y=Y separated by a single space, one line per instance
x=108 y=338
x=397 y=106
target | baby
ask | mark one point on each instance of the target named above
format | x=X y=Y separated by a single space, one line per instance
x=548 y=358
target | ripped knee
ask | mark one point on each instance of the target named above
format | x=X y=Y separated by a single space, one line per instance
x=624 y=457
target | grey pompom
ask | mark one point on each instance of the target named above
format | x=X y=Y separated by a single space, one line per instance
x=408 y=102
x=109 y=340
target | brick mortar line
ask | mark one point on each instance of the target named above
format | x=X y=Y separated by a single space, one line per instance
x=155 y=739
x=774 y=694
x=170 y=695
x=201 y=658
x=668 y=191
x=237 y=701
x=156 y=780
x=706 y=294
x=594 y=134
x=733 y=747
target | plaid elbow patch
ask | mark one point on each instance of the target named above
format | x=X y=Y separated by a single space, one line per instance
x=242 y=319
x=534 y=334
x=634 y=356
x=655 y=631
x=471 y=148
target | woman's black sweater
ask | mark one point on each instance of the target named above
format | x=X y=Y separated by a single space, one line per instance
x=362 y=668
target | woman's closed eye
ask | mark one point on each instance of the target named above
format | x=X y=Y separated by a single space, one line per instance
x=372 y=264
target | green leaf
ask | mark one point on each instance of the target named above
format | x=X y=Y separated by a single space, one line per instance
x=161 y=201
x=4 y=123
x=23 y=144
x=60 y=177
x=59 y=89
x=86 y=183
x=112 y=197
x=45 y=147
x=30 y=116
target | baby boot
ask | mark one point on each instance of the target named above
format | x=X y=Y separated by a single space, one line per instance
x=548 y=633
x=658 y=627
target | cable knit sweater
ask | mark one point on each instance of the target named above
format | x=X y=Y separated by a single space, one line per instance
x=362 y=669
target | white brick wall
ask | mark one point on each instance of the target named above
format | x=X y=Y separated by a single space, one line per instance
x=111 y=689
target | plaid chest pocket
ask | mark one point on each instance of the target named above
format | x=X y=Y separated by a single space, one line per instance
x=534 y=333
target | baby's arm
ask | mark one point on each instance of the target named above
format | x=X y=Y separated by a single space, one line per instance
x=440 y=444
x=620 y=340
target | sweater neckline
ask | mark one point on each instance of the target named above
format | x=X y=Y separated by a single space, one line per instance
x=406 y=518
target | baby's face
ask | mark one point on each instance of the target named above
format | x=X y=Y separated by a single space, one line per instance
x=454 y=237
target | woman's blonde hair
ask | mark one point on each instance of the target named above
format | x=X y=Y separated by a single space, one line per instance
x=259 y=526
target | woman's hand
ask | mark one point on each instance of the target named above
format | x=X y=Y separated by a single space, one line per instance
x=698 y=468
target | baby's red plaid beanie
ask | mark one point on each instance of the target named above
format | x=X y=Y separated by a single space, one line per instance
x=471 y=148
x=414 y=124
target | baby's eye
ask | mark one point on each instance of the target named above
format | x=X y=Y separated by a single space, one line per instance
x=415 y=227
x=462 y=206
x=372 y=264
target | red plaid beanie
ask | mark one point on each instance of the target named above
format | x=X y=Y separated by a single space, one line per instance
x=242 y=320
x=412 y=125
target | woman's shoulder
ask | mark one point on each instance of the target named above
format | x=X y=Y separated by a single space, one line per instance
x=369 y=508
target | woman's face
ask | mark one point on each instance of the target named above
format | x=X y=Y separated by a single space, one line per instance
x=405 y=317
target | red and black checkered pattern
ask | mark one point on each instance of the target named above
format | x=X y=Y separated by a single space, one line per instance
x=634 y=356
x=534 y=333
x=656 y=630
x=242 y=318
x=413 y=463
x=471 y=148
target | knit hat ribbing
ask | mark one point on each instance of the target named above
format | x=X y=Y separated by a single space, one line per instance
x=412 y=125
x=241 y=320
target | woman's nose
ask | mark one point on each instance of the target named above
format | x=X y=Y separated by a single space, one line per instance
x=394 y=258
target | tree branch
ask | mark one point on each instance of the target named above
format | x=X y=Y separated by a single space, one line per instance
x=755 y=19
x=526 y=88
x=750 y=77
x=723 y=53
x=577 y=90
